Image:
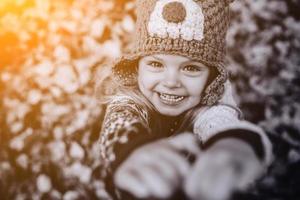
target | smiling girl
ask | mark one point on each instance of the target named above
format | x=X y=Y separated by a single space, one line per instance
x=171 y=124
x=173 y=84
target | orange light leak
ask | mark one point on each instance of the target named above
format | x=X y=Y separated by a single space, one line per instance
x=23 y=25
x=15 y=37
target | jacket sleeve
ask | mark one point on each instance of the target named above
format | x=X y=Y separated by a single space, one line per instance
x=225 y=120
x=124 y=128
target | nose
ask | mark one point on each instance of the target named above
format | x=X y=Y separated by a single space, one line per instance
x=171 y=79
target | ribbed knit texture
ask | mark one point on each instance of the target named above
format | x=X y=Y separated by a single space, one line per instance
x=210 y=50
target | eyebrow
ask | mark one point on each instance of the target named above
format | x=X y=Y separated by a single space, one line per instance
x=188 y=61
x=157 y=58
x=153 y=56
x=194 y=61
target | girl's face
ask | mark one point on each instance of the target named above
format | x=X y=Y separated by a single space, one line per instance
x=172 y=83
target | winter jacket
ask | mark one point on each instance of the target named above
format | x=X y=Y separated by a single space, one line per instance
x=127 y=126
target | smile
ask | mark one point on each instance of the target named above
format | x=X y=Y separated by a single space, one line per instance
x=170 y=98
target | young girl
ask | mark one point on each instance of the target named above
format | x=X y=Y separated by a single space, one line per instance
x=171 y=128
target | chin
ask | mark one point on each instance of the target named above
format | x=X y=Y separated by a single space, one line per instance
x=169 y=112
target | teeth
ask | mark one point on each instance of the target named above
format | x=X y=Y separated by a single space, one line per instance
x=170 y=98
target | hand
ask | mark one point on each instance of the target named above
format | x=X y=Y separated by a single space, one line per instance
x=157 y=169
x=229 y=165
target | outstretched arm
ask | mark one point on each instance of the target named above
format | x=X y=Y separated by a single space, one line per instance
x=236 y=152
x=228 y=163
x=158 y=169
x=124 y=129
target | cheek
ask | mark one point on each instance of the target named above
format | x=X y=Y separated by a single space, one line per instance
x=143 y=81
x=196 y=87
x=146 y=80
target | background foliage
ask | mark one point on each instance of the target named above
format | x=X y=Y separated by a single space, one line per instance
x=50 y=120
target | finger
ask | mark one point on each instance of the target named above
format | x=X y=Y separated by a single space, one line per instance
x=215 y=174
x=175 y=159
x=185 y=142
x=130 y=181
x=156 y=183
x=167 y=172
x=153 y=159
x=149 y=171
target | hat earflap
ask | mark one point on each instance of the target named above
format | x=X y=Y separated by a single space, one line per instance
x=215 y=90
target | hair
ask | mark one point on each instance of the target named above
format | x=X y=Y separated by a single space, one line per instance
x=107 y=89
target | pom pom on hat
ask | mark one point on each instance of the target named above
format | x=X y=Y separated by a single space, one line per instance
x=174 y=12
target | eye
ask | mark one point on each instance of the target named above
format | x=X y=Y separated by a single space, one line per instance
x=192 y=68
x=155 y=64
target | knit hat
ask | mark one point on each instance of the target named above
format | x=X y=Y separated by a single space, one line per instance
x=192 y=28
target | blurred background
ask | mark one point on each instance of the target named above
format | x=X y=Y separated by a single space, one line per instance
x=49 y=118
